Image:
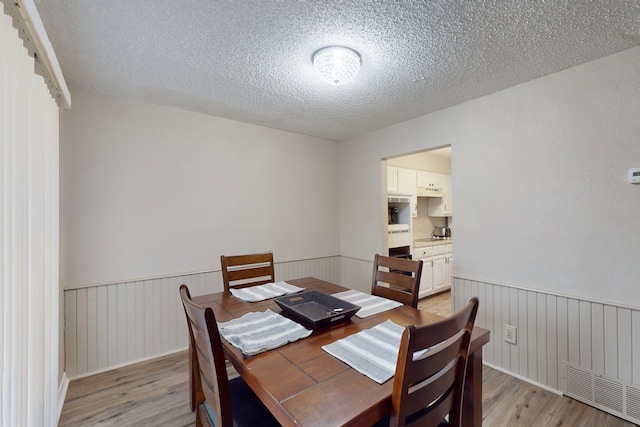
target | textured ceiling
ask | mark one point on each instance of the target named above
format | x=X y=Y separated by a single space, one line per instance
x=250 y=60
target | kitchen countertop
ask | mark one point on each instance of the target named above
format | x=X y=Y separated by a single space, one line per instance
x=421 y=243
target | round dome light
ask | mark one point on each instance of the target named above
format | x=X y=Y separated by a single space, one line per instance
x=337 y=65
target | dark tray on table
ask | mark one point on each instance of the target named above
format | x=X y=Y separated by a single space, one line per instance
x=316 y=309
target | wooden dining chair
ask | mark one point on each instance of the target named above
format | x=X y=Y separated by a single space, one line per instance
x=397 y=279
x=428 y=386
x=241 y=271
x=222 y=403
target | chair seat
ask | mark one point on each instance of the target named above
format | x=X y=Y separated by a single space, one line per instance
x=248 y=410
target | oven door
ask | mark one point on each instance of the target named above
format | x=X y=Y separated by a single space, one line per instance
x=400 y=252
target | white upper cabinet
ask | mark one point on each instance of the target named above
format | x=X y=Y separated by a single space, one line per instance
x=442 y=206
x=406 y=181
x=407 y=185
x=392 y=179
x=401 y=180
x=429 y=181
x=436 y=186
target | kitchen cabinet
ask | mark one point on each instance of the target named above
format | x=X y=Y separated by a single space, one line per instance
x=443 y=268
x=429 y=180
x=443 y=206
x=426 y=279
x=403 y=181
x=406 y=181
x=437 y=265
x=448 y=271
x=392 y=179
x=439 y=273
x=414 y=206
x=407 y=185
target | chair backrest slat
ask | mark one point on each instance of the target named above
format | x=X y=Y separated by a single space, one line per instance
x=397 y=279
x=241 y=271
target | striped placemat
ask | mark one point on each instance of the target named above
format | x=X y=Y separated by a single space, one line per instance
x=256 y=332
x=266 y=291
x=372 y=352
x=370 y=304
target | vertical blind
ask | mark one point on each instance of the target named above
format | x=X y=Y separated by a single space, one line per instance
x=29 y=255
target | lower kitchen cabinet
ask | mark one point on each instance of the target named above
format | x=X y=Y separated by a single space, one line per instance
x=426 y=280
x=439 y=273
x=437 y=266
x=425 y=254
x=449 y=270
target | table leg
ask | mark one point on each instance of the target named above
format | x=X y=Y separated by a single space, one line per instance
x=472 y=399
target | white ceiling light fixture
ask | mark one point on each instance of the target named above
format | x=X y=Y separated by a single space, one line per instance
x=337 y=65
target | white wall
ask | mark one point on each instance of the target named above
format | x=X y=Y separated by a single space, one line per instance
x=150 y=191
x=539 y=172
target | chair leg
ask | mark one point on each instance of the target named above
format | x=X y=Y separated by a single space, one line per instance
x=192 y=384
x=199 y=422
x=196 y=396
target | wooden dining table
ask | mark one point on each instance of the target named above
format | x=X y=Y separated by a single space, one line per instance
x=302 y=385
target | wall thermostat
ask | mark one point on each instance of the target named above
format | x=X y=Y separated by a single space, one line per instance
x=634 y=175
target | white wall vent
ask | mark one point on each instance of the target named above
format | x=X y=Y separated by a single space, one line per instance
x=580 y=383
x=612 y=395
x=608 y=393
x=633 y=402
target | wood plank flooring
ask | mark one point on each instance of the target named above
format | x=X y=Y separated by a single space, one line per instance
x=439 y=304
x=155 y=393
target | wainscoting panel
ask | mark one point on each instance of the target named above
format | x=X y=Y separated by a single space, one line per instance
x=111 y=325
x=356 y=274
x=323 y=268
x=553 y=331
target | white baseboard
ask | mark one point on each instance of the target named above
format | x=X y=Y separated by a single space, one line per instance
x=525 y=379
x=131 y=362
x=62 y=393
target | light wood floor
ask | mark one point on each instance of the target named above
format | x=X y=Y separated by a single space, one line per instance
x=155 y=393
x=438 y=304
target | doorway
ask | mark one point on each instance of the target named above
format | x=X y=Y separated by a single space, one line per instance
x=419 y=188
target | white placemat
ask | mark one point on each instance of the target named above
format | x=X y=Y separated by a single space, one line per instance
x=256 y=332
x=371 y=304
x=266 y=291
x=372 y=352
